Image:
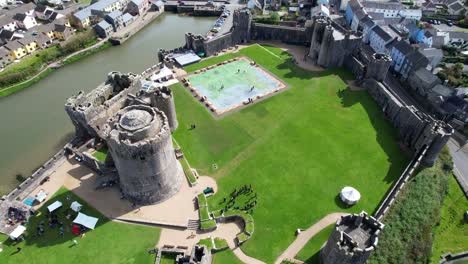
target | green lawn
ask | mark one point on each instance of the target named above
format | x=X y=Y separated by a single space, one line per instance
x=101 y=154
x=451 y=235
x=310 y=252
x=109 y=242
x=297 y=149
x=168 y=258
x=226 y=257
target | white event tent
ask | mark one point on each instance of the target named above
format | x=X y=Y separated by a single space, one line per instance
x=76 y=206
x=349 y=195
x=54 y=206
x=19 y=230
x=85 y=220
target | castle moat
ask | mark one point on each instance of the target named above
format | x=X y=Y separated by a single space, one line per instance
x=35 y=126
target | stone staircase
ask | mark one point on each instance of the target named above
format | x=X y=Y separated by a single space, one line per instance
x=193 y=224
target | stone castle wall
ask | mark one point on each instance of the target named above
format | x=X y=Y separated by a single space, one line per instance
x=290 y=35
x=416 y=129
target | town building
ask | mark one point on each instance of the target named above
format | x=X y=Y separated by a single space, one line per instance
x=62 y=32
x=406 y=60
x=24 y=21
x=127 y=19
x=115 y=19
x=379 y=40
x=104 y=29
x=16 y=49
x=137 y=7
x=5 y=57
x=392 y=10
x=85 y=17
x=29 y=43
x=434 y=56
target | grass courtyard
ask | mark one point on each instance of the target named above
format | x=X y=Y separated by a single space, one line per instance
x=109 y=242
x=297 y=149
x=451 y=234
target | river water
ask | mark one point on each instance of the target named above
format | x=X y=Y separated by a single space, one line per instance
x=33 y=122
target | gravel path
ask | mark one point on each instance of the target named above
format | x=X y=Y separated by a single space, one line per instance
x=306 y=235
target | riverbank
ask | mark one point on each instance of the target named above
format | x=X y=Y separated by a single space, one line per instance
x=127 y=32
x=54 y=65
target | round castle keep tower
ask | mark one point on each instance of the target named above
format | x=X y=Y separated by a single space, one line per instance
x=140 y=143
x=352 y=241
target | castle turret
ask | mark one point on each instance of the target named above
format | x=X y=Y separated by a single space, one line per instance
x=442 y=132
x=325 y=46
x=352 y=241
x=139 y=140
x=241 y=20
x=317 y=34
x=163 y=99
x=378 y=67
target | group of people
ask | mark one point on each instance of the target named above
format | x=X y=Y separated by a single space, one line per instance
x=53 y=221
x=243 y=190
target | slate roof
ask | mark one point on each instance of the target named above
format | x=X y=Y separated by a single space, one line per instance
x=5 y=20
x=456 y=7
x=23 y=8
x=4 y=52
x=19 y=17
x=381 y=33
x=115 y=14
x=104 y=25
x=416 y=58
x=60 y=28
x=462 y=35
x=26 y=40
x=13 y=45
x=383 y=5
x=6 y=34
x=404 y=47
x=127 y=17
x=376 y=16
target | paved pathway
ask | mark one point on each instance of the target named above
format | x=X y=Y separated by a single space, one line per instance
x=244 y=258
x=306 y=235
x=460 y=160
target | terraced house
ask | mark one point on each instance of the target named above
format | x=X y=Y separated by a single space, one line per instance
x=16 y=49
x=89 y=15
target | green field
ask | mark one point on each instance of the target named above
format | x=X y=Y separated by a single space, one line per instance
x=226 y=257
x=297 y=149
x=109 y=242
x=451 y=234
x=101 y=154
x=310 y=252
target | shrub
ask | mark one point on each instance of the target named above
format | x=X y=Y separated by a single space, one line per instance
x=407 y=236
x=220 y=243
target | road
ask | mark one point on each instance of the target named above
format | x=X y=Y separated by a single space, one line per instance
x=460 y=160
x=445 y=27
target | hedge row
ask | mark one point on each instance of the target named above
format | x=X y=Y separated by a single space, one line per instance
x=407 y=236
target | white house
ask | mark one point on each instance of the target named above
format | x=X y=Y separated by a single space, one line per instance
x=25 y=21
x=379 y=39
x=392 y=10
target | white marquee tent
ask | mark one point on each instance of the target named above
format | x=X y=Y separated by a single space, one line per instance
x=19 y=230
x=41 y=196
x=76 y=206
x=85 y=220
x=54 y=206
x=349 y=195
